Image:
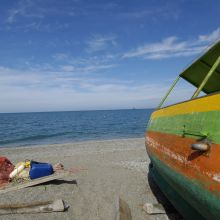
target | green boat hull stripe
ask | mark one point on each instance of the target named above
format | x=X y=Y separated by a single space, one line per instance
x=174 y=185
x=198 y=124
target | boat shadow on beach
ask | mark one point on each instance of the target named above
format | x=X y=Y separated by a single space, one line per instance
x=171 y=212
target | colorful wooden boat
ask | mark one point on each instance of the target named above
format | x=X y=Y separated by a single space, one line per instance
x=183 y=142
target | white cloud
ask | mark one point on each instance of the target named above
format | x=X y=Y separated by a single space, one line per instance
x=86 y=69
x=37 y=10
x=47 y=89
x=24 y=8
x=165 y=11
x=60 y=56
x=12 y=15
x=89 y=65
x=43 y=90
x=172 y=47
x=99 y=43
x=68 y=68
x=215 y=35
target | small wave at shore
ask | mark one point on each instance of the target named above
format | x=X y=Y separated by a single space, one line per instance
x=32 y=138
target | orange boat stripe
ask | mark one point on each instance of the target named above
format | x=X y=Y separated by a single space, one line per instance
x=175 y=151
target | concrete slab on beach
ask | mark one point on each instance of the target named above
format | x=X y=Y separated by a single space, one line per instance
x=112 y=168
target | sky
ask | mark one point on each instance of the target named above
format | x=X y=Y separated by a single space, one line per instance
x=97 y=54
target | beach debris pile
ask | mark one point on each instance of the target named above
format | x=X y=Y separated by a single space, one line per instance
x=25 y=170
x=31 y=173
x=33 y=170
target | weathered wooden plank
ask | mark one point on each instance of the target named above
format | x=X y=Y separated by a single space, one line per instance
x=123 y=210
x=35 y=182
x=36 y=207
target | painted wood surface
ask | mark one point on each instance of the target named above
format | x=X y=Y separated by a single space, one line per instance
x=193 y=174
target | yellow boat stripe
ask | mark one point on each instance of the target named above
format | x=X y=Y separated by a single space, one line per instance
x=203 y=104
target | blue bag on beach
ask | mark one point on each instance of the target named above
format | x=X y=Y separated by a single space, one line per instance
x=40 y=169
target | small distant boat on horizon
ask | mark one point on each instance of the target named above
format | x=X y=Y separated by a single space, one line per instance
x=183 y=142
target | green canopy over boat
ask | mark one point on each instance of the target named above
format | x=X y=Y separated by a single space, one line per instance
x=198 y=70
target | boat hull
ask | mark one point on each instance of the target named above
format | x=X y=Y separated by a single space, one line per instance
x=175 y=198
x=189 y=178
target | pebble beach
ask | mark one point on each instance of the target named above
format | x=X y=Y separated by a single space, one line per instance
x=103 y=171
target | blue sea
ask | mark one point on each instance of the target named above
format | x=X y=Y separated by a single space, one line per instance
x=28 y=129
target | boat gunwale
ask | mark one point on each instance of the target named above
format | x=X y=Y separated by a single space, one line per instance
x=190 y=100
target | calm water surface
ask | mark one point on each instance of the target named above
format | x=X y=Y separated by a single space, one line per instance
x=25 y=129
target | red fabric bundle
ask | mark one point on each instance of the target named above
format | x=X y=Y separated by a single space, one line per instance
x=6 y=167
